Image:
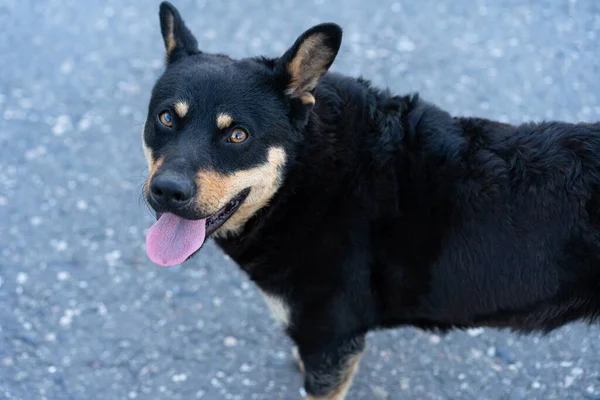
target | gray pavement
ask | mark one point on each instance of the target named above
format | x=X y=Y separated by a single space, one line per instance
x=83 y=313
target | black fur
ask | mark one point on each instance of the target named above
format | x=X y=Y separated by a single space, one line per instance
x=393 y=212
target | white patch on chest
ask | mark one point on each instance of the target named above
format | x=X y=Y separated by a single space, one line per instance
x=279 y=309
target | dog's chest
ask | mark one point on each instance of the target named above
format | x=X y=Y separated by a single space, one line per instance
x=279 y=308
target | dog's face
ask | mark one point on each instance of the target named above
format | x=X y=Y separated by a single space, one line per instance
x=220 y=133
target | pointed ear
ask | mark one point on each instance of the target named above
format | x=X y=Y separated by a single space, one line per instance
x=179 y=41
x=309 y=59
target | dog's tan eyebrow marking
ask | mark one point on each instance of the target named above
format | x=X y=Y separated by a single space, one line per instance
x=181 y=108
x=224 y=121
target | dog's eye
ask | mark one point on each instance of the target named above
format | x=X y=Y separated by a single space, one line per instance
x=238 y=136
x=166 y=119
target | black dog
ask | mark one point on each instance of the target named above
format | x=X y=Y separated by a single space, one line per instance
x=353 y=209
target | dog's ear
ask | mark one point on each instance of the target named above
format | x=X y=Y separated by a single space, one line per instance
x=309 y=58
x=179 y=41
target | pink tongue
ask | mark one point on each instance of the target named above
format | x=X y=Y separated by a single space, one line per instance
x=171 y=240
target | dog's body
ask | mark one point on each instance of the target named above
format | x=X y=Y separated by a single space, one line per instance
x=373 y=210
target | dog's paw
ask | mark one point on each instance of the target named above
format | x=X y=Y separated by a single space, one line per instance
x=296 y=356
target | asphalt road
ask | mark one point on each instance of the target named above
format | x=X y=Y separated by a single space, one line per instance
x=83 y=313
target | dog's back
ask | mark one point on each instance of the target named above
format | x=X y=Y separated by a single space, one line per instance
x=494 y=225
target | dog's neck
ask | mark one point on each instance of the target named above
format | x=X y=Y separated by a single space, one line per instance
x=356 y=136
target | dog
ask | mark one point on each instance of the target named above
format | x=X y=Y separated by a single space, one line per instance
x=354 y=209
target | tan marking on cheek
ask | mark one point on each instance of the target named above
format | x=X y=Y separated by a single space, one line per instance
x=216 y=190
x=153 y=168
x=148 y=155
x=147 y=151
x=181 y=108
x=224 y=121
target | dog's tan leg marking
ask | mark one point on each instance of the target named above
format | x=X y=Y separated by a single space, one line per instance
x=298 y=359
x=224 y=121
x=346 y=377
x=181 y=108
x=215 y=190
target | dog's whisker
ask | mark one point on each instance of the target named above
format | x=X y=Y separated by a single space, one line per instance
x=142 y=199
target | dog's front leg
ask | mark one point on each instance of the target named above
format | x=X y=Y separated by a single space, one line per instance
x=329 y=369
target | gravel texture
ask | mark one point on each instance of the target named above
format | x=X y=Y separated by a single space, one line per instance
x=84 y=315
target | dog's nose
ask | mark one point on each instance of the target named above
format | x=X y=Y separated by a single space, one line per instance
x=172 y=191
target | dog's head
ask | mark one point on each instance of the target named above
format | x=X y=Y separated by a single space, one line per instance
x=220 y=132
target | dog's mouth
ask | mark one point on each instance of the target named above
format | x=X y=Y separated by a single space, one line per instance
x=217 y=220
x=173 y=239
